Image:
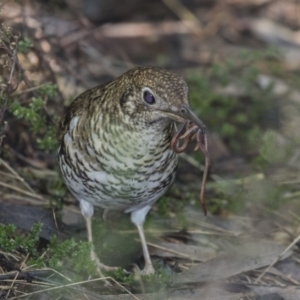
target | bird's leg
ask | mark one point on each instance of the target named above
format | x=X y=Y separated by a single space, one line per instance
x=94 y=256
x=148 y=269
x=138 y=218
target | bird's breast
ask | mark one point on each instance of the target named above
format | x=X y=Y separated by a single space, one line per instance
x=117 y=167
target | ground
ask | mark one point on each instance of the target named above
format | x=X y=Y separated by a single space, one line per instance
x=241 y=61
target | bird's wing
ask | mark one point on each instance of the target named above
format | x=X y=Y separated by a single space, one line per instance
x=78 y=107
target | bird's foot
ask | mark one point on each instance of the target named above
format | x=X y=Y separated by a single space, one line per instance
x=101 y=267
x=148 y=270
x=105 y=267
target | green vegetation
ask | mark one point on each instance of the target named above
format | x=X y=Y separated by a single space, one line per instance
x=123 y=277
x=76 y=256
x=245 y=115
x=69 y=254
x=33 y=110
x=230 y=102
x=171 y=206
x=11 y=241
x=38 y=120
x=239 y=114
x=267 y=155
x=25 y=45
x=158 y=281
x=152 y=283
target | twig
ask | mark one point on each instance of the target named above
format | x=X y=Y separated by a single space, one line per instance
x=278 y=258
x=75 y=284
x=31 y=274
x=12 y=284
x=17 y=176
x=17 y=275
x=20 y=190
x=8 y=90
x=30 y=89
x=128 y=30
x=75 y=74
x=22 y=75
x=170 y=250
x=187 y=17
x=27 y=200
x=86 y=23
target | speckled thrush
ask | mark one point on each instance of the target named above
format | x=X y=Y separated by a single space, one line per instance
x=115 y=148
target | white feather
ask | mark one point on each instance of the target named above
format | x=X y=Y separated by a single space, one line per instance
x=87 y=209
x=138 y=216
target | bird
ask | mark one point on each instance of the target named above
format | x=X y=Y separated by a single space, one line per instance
x=114 y=146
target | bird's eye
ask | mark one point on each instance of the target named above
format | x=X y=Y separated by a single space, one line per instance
x=148 y=97
x=183 y=110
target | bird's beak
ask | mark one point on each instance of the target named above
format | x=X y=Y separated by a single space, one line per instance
x=189 y=115
x=185 y=114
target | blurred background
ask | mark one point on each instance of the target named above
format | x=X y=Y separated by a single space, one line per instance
x=241 y=60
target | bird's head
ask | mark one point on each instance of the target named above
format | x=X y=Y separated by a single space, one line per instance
x=153 y=95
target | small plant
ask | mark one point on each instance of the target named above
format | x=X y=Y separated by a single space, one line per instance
x=70 y=254
x=57 y=255
x=40 y=120
x=121 y=276
x=11 y=241
x=35 y=115
x=24 y=45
